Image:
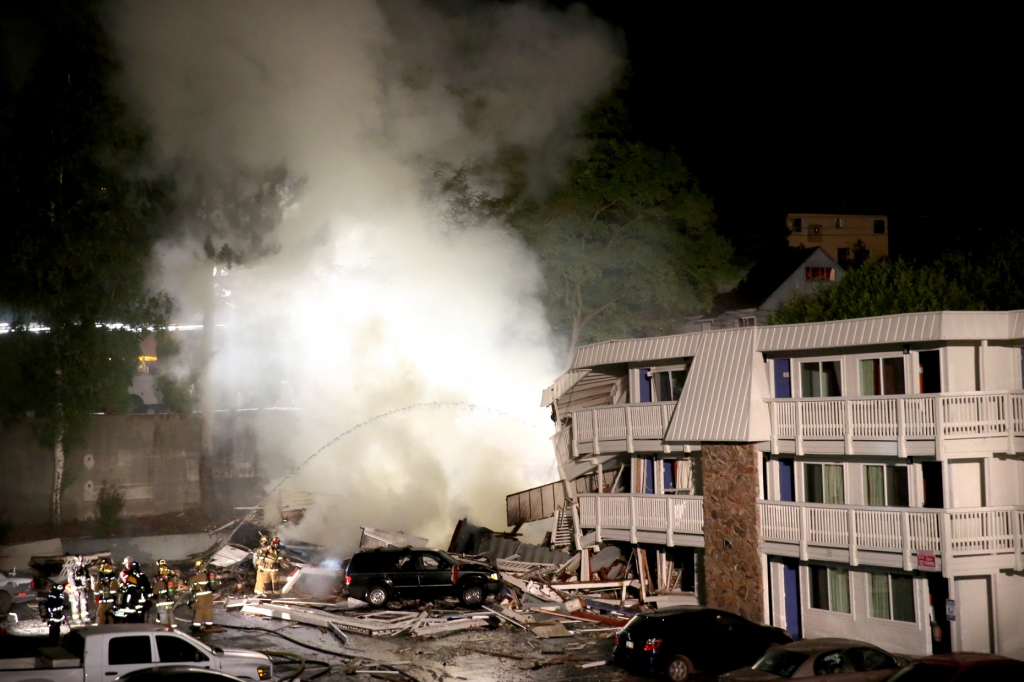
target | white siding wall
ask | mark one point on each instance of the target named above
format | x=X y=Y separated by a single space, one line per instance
x=1010 y=614
x=1004 y=481
x=967 y=483
x=959 y=373
x=1002 y=368
x=895 y=636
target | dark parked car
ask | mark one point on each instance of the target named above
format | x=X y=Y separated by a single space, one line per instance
x=823 y=659
x=684 y=640
x=961 y=667
x=15 y=588
x=379 y=575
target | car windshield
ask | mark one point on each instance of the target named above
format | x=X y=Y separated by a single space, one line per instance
x=924 y=672
x=781 y=662
x=448 y=557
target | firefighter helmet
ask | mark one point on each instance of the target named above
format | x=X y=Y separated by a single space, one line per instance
x=200 y=565
x=276 y=542
x=57 y=588
x=128 y=561
x=106 y=567
x=264 y=541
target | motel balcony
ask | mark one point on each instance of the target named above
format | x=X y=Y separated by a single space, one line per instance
x=610 y=429
x=931 y=425
x=895 y=537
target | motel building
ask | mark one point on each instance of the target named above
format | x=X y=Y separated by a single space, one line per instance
x=860 y=478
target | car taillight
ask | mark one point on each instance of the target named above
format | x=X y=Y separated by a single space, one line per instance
x=652 y=644
x=32 y=584
x=348 y=580
x=455 y=574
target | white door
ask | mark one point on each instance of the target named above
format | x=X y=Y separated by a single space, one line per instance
x=974 y=613
x=967 y=480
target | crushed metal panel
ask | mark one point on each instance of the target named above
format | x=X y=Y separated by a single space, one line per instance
x=534 y=504
x=561 y=385
x=371 y=538
x=228 y=556
x=636 y=350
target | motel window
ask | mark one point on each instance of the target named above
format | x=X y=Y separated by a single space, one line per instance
x=798 y=224
x=748 y=322
x=891 y=597
x=824 y=484
x=819 y=274
x=879 y=227
x=838 y=223
x=830 y=589
x=820 y=379
x=667 y=384
x=886 y=486
x=882 y=376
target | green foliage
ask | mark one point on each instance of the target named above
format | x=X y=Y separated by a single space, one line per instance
x=178 y=395
x=627 y=243
x=885 y=288
x=80 y=220
x=109 y=506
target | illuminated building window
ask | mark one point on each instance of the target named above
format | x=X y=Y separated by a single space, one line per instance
x=820 y=274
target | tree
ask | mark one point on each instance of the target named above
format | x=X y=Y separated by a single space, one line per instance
x=627 y=244
x=233 y=211
x=884 y=288
x=80 y=222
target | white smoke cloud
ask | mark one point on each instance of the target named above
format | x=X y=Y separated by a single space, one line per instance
x=371 y=303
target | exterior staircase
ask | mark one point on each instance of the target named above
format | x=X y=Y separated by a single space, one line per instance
x=563 y=534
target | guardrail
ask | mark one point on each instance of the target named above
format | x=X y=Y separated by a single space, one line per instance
x=950 y=533
x=668 y=514
x=899 y=418
x=638 y=421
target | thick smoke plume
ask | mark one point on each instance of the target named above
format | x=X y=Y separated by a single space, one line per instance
x=372 y=302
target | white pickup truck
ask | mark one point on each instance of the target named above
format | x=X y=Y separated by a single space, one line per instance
x=104 y=653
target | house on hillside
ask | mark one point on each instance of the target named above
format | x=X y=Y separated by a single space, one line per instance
x=737 y=308
x=860 y=478
x=846 y=238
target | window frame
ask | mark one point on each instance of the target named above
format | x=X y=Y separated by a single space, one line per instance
x=829 y=572
x=887 y=493
x=881 y=357
x=846 y=482
x=891 y=618
x=678 y=367
x=828 y=274
x=799 y=378
x=146 y=636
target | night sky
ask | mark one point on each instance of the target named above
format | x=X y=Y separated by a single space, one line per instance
x=859 y=113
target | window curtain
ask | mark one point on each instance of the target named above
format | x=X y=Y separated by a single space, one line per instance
x=874 y=483
x=870 y=378
x=684 y=475
x=839 y=590
x=903 y=598
x=878 y=598
x=834 y=490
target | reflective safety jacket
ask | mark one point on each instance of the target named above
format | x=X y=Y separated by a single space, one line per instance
x=165 y=587
x=55 y=608
x=79 y=579
x=267 y=559
x=105 y=587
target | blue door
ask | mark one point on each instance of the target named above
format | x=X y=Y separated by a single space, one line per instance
x=786 y=481
x=783 y=381
x=649 y=475
x=645 y=385
x=791 y=587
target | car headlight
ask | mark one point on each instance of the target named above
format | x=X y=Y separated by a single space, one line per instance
x=493 y=576
x=263 y=671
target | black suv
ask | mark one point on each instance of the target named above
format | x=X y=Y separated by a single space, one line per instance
x=379 y=575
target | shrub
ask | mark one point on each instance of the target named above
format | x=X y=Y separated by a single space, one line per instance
x=109 y=505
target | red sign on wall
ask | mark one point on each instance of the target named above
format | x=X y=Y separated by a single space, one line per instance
x=925 y=560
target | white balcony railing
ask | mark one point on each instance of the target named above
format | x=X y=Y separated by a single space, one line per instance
x=622 y=423
x=950 y=534
x=668 y=514
x=899 y=418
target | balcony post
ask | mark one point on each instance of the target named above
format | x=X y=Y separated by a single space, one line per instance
x=1015 y=525
x=671 y=521
x=851 y=525
x=798 y=445
x=901 y=428
x=1011 y=447
x=629 y=429
x=803 y=533
x=940 y=427
x=575 y=436
x=905 y=534
x=848 y=441
x=946 y=541
x=597 y=436
x=773 y=409
x=598 y=502
x=632 y=519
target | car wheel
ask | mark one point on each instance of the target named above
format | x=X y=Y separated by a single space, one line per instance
x=472 y=596
x=377 y=596
x=680 y=669
x=5 y=603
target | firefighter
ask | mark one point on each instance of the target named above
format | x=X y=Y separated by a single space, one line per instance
x=201 y=585
x=129 y=598
x=105 y=587
x=145 y=601
x=55 y=615
x=271 y=564
x=259 y=560
x=78 y=590
x=166 y=587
